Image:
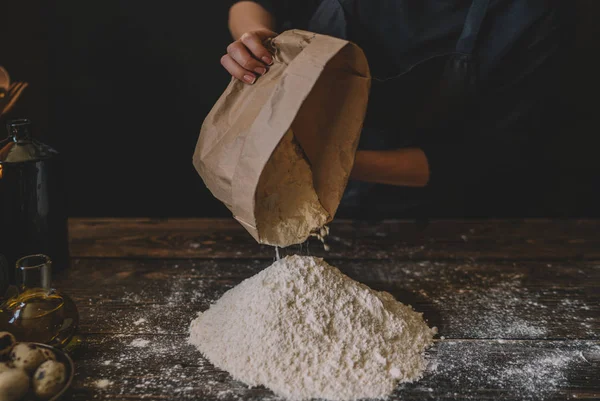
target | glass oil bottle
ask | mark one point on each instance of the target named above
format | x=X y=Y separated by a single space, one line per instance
x=36 y=312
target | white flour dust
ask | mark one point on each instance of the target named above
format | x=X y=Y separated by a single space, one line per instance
x=287 y=208
x=532 y=371
x=102 y=383
x=305 y=330
x=139 y=343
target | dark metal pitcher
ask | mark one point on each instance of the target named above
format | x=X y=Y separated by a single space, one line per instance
x=32 y=203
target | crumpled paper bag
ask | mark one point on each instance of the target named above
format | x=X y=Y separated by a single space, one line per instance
x=279 y=153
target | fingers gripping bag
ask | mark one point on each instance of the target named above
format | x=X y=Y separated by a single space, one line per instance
x=279 y=153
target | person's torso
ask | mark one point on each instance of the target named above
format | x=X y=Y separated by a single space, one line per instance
x=397 y=35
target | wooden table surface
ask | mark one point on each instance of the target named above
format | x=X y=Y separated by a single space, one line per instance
x=517 y=303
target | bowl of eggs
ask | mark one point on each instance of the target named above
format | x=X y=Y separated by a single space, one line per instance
x=32 y=371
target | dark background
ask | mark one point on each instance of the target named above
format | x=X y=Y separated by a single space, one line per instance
x=121 y=89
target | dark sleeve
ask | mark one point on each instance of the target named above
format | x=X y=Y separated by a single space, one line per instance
x=502 y=133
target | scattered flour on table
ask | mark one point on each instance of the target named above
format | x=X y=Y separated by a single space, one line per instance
x=532 y=371
x=305 y=330
x=102 y=383
x=288 y=209
x=170 y=368
x=499 y=303
x=139 y=342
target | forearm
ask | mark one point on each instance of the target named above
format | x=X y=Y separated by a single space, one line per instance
x=402 y=167
x=247 y=16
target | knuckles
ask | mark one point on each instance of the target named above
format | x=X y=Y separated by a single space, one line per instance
x=233 y=47
x=247 y=37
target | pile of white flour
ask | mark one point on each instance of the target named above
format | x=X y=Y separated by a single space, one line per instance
x=305 y=330
x=287 y=206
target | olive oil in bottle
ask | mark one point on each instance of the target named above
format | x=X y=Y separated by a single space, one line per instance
x=35 y=312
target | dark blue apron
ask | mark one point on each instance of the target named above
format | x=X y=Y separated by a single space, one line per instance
x=382 y=128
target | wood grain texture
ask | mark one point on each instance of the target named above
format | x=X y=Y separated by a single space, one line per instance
x=477 y=370
x=516 y=303
x=225 y=238
x=464 y=300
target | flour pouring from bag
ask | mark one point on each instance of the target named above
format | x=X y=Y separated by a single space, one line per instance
x=279 y=153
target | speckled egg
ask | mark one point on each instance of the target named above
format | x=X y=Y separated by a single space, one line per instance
x=5 y=367
x=29 y=356
x=7 y=341
x=48 y=354
x=14 y=384
x=49 y=379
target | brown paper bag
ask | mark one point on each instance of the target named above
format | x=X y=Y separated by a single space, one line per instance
x=278 y=153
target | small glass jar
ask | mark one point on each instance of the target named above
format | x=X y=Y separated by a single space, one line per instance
x=36 y=312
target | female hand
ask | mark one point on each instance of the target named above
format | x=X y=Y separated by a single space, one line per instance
x=247 y=58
